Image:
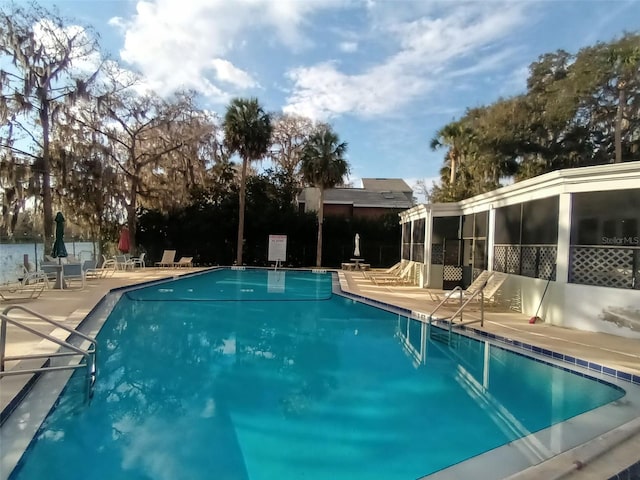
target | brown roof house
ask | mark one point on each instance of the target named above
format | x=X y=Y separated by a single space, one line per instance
x=379 y=196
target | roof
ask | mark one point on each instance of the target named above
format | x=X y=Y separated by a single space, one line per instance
x=386 y=185
x=616 y=176
x=360 y=197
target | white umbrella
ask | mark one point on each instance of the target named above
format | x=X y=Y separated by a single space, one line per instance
x=356 y=251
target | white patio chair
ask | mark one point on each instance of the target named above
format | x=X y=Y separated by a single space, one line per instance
x=138 y=261
x=168 y=259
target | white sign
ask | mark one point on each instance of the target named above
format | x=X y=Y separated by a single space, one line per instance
x=277 y=248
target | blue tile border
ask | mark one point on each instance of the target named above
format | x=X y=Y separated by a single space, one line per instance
x=569 y=359
x=630 y=473
x=551 y=355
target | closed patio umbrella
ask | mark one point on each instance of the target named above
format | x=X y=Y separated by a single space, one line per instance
x=59 y=250
x=356 y=251
x=123 y=243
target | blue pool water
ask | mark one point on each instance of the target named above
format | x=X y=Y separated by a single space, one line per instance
x=283 y=386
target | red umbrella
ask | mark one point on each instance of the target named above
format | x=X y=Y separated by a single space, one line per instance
x=123 y=243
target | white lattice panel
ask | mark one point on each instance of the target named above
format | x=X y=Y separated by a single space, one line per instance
x=500 y=258
x=529 y=260
x=452 y=273
x=607 y=267
x=437 y=254
x=513 y=259
x=547 y=259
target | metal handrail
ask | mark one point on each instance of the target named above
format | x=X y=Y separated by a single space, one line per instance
x=88 y=355
x=447 y=297
x=462 y=307
x=459 y=311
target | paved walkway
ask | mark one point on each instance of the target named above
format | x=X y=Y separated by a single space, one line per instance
x=71 y=306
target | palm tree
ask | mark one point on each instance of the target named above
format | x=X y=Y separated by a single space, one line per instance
x=451 y=136
x=323 y=166
x=247 y=131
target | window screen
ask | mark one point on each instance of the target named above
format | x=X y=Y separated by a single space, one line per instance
x=540 y=221
x=508 y=225
x=445 y=228
x=418 y=231
x=605 y=218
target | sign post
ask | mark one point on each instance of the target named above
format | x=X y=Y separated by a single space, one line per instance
x=277 y=249
x=278 y=254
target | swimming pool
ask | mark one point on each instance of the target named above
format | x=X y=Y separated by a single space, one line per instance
x=262 y=374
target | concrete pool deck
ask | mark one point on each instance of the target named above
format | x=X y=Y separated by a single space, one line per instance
x=71 y=306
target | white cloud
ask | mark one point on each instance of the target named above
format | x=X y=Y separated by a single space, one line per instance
x=186 y=44
x=348 y=47
x=226 y=72
x=431 y=50
x=85 y=57
x=322 y=91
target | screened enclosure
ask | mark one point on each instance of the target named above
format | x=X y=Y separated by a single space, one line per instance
x=474 y=245
x=605 y=239
x=526 y=238
x=446 y=250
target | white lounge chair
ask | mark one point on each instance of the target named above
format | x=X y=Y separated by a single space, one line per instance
x=168 y=259
x=107 y=269
x=488 y=282
x=184 y=262
x=400 y=278
x=392 y=270
x=28 y=276
x=30 y=287
x=90 y=269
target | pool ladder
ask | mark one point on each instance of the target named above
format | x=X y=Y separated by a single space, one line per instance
x=87 y=356
x=447 y=338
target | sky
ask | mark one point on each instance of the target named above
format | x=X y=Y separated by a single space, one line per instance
x=387 y=75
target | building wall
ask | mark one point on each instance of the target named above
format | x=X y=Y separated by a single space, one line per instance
x=582 y=307
x=349 y=211
x=572 y=305
x=372 y=212
x=333 y=210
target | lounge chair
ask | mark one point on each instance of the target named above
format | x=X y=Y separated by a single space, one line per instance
x=90 y=269
x=392 y=270
x=184 y=262
x=168 y=259
x=107 y=269
x=401 y=278
x=30 y=287
x=488 y=282
x=33 y=276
